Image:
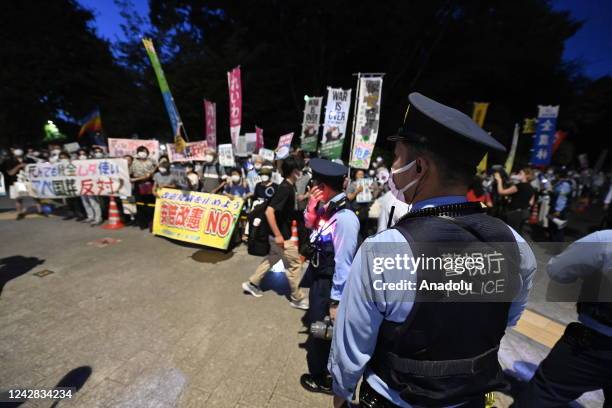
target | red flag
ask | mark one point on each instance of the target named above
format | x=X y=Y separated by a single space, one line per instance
x=235 y=101
x=210 y=111
x=259 y=143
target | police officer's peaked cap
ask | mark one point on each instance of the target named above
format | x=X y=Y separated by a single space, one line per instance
x=432 y=124
x=327 y=169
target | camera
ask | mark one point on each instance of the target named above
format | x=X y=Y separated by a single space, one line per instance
x=322 y=330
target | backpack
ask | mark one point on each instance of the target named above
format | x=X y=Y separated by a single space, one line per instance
x=258 y=243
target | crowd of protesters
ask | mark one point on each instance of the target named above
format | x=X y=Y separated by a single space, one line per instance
x=536 y=197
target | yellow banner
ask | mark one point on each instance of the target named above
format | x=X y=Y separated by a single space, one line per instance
x=479 y=112
x=199 y=218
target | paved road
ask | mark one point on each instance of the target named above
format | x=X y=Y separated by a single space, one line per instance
x=146 y=322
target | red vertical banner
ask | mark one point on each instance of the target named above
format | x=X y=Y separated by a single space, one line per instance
x=259 y=143
x=210 y=113
x=235 y=102
x=560 y=136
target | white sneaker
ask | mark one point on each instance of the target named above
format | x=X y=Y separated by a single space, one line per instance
x=300 y=304
x=248 y=287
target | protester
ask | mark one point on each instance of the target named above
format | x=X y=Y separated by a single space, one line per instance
x=521 y=198
x=74 y=204
x=265 y=189
x=213 y=174
x=128 y=204
x=477 y=194
x=560 y=202
x=163 y=178
x=279 y=214
x=15 y=177
x=236 y=186
x=142 y=170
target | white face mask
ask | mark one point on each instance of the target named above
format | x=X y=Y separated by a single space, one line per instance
x=257 y=166
x=399 y=193
x=18 y=152
x=235 y=179
x=372 y=173
x=193 y=179
x=56 y=152
x=98 y=155
x=64 y=160
x=142 y=155
x=208 y=158
x=163 y=170
x=82 y=157
x=265 y=178
x=36 y=154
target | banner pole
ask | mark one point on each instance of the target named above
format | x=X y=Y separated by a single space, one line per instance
x=354 y=122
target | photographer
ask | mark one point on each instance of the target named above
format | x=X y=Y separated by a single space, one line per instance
x=334 y=243
x=521 y=197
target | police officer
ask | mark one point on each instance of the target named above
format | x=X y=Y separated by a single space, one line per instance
x=431 y=345
x=333 y=245
x=581 y=360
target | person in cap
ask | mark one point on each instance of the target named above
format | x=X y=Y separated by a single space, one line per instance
x=419 y=332
x=333 y=244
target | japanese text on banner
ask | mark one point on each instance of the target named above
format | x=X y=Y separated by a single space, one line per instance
x=235 y=102
x=193 y=151
x=98 y=177
x=543 y=140
x=200 y=218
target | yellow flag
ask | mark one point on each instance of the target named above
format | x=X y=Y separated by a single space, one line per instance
x=179 y=141
x=482 y=166
x=479 y=112
x=478 y=115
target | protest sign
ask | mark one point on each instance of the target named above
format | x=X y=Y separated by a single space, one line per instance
x=199 y=218
x=2 y=186
x=235 y=101
x=241 y=147
x=71 y=147
x=123 y=147
x=366 y=122
x=310 y=124
x=284 y=145
x=226 y=155
x=543 y=140
x=210 y=113
x=193 y=151
x=97 y=177
x=336 y=117
x=266 y=154
x=366 y=194
x=251 y=142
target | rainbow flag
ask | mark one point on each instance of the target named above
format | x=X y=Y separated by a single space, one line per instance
x=92 y=123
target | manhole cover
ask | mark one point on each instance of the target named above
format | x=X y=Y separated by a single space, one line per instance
x=104 y=242
x=43 y=273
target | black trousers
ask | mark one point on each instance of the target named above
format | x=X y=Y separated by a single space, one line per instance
x=369 y=398
x=581 y=361
x=317 y=350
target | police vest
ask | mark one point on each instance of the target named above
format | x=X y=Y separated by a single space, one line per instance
x=445 y=352
x=322 y=262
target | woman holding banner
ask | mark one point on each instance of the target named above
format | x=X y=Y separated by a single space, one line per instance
x=142 y=170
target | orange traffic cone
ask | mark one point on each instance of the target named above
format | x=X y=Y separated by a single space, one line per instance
x=294 y=234
x=114 y=220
